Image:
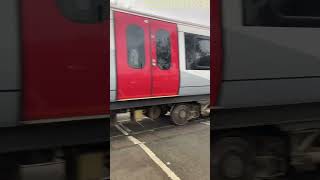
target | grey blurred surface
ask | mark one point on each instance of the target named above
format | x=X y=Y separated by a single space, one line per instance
x=9 y=46
x=48 y=171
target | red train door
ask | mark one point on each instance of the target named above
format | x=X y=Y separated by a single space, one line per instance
x=133 y=56
x=147 y=57
x=165 y=59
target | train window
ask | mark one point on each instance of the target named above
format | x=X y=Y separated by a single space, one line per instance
x=282 y=13
x=197 y=52
x=135 y=46
x=83 y=11
x=163 y=50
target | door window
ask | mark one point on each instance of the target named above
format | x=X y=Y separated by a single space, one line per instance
x=282 y=13
x=135 y=46
x=163 y=49
x=83 y=11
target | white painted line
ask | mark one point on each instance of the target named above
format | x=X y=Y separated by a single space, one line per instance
x=151 y=119
x=121 y=130
x=206 y=123
x=154 y=157
x=125 y=127
x=140 y=124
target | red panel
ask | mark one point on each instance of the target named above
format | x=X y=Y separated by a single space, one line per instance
x=165 y=82
x=65 y=66
x=131 y=82
x=217 y=49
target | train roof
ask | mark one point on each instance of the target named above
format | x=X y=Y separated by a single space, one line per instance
x=134 y=12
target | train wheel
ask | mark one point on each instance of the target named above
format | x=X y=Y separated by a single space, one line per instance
x=180 y=114
x=233 y=159
x=153 y=112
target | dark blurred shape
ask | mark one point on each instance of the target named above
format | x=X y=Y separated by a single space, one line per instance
x=282 y=13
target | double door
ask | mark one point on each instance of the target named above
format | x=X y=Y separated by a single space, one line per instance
x=147 y=57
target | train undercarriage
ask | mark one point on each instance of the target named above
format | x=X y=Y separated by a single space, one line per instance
x=79 y=147
x=265 y=150
x=180 y=112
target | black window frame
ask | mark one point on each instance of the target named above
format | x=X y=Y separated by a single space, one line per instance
x=280 y=13
x=142 y=63
x=189 y=65
x=168 y=49
x=96 y=13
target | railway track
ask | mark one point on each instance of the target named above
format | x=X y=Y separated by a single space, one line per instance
x=127 y=127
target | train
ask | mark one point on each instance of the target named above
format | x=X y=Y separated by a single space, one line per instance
x=53 y=85
x=158 y=65
x=265 y=88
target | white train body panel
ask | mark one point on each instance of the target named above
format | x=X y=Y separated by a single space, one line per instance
x=193 y=82
x=112 y=61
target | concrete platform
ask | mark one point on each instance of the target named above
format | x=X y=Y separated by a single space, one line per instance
x=184 y=150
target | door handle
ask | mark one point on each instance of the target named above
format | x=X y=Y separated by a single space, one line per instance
x=154 y=62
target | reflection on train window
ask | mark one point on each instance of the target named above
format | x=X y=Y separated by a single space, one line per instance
x=83 y=11
x=197 y=52
x=163 y=50
x=135 y=46
x=282 y=13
